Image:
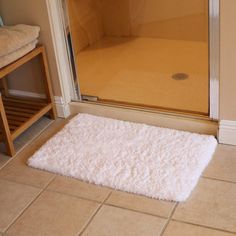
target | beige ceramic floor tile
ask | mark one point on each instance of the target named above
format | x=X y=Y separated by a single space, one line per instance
x=13 y=200
x=181 y=229
x=54 y=214
x=24 y=139
x=36 y=129
x=3 y=160
x=18 y=171
x=78 y=188
x=223 y=165
x=119 y=222
x=212 y=204
x=141 y=203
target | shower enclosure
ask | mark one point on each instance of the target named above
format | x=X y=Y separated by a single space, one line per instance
x=152 y=54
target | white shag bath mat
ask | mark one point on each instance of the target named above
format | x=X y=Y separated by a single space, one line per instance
x=156 y=162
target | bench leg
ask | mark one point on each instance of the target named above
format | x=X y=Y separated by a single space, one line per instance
x=5 y=130
x=5 y=87
x=47 y=84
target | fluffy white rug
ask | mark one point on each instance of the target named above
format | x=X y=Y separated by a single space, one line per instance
x=156 y=162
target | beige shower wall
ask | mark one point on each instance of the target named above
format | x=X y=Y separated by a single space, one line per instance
x=33 y=12
x=175 y=19
x=85 y=22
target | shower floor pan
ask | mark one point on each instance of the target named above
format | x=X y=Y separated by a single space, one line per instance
x=140 y=71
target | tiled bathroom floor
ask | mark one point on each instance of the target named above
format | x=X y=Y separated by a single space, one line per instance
x=34 y=202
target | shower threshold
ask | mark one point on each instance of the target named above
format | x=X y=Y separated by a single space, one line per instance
x=128 y=105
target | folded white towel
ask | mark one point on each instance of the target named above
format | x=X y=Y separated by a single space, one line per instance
x=11 y=57
x=15 y=37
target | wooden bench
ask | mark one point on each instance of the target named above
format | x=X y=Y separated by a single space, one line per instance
x=18 y=113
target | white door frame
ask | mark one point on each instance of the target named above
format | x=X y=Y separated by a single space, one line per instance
x=64 y=66
x=60 y=50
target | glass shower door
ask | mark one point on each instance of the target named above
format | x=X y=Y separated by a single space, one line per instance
x=148 y=53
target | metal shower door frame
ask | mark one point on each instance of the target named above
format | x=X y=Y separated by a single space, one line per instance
x=214 y=61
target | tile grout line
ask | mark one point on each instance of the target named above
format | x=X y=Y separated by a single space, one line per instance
x=25 y=145
x=10 y=160
x=94 y=214
x=26 y=184
x=137 y=211
x=221 y=180
x=107 y=204
x=73 y=195
x=168 y=220
x=104 y=203
x=28 y=206
x=204 y=226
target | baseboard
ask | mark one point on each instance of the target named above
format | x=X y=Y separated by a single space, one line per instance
x=21 y=93
x=227 y=132
x=152 y=118
x=63 y=109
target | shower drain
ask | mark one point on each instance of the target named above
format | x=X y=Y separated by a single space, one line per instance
x=180 y=76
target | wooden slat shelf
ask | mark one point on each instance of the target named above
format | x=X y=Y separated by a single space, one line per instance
x=22 y=113
x=17 y=114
